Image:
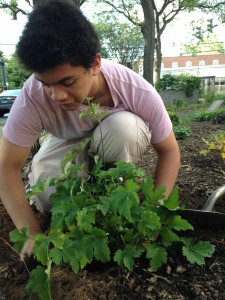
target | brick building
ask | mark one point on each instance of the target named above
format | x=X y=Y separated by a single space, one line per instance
x=210 y=67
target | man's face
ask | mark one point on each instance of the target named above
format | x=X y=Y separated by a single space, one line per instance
x=68 y=86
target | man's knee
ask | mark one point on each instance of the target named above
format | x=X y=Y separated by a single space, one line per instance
x=121 y=136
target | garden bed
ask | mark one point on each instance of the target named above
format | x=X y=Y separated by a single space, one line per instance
x=199 y=176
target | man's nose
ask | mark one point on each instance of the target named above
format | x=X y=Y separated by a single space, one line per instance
x=58 y=94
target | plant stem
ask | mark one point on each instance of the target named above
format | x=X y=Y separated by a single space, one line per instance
x=22 y=259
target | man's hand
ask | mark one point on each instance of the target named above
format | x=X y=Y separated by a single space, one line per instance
x=27 y=250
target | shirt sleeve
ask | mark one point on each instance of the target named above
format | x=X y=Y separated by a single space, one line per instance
x=23 y=125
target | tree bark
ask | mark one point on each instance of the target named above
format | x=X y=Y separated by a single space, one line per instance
x=148 y=31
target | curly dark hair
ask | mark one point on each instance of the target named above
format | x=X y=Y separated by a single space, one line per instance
x=57 y=32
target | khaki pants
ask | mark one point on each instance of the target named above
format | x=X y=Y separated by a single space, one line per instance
x=125 y=138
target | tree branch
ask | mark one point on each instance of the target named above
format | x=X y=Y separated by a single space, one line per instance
x=208 y=6
x=123 y=12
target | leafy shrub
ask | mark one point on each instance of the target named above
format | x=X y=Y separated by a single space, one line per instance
x=166 y=82
x=205 y=116
x=173 y=117
x=184 y=82
x=179 y=103
x=209 y=95
x=182 y=132
x=216 y=143
x=119 y=217
x=220 y=97
x=219 y=119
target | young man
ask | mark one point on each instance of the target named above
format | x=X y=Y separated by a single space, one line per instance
x=62 y=49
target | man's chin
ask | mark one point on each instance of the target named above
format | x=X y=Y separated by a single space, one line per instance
x=70 y=107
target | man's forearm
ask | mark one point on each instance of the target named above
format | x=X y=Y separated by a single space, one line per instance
x=12 y=194
x=166 y=171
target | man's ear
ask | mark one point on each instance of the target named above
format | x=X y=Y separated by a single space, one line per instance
x=96 y=66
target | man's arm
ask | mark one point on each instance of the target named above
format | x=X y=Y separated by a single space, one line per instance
x=168 y=163
x=12 y=192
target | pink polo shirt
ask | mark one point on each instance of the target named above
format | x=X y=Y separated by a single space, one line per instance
x=33 y=111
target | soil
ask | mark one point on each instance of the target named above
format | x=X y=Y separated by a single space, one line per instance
x=199 y=176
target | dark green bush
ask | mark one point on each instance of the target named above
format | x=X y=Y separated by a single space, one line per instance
x=183 y=82
x=202 y=116
x=173 y=117
x=179 y=103
x=182 y=132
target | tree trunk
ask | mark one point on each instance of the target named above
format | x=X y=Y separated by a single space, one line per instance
x=148 y=31
x=158 y=48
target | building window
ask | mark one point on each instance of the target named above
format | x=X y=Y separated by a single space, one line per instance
x=201 y=63
x=174 y=65
x=140 y=70
x=162 y=65
x=215 y=62
x=188 y=64
x=220 y=81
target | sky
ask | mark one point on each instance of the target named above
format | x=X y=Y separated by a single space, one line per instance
x=10 y=31
x=176 y=34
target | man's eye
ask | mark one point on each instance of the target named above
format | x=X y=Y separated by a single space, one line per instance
x=67 y=84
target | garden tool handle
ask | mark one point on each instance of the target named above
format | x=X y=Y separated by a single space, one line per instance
x=213 y=199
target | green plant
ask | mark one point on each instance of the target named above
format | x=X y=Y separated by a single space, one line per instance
x=220 y=97
x=208 y=94
x=174 y=117
x=166 y=82
x=219 y=119
x=179 y=103
x=181 y=132
x=120 y=217
x=185 y=82
x=112 y=219
x=206 y=116
x=185 y=118
x=215 y=143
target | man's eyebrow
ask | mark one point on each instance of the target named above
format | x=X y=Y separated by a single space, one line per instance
x=61 y=81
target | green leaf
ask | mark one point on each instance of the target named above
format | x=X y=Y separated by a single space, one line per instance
x=122 y=200
x=159 y=194
x=57 y=238
x=177 y=223
x=196 y=251
x=73 y=253
x=149 y=223
x=85 y=220
x=39 y=283
x=75 y=264
x=41 y=248
x=131 y=185
x=126 y=257
x=157 y=256
x=98 y=165
x=105 y=206
x=38 y=188
x=70 y=157
x=148 y=187
x=172 y=202
x=69 y=250
x=95 y=244
x=19 y=237
x=168 y=236
x=90 y=112
x=56 y=256
x=150 y=192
